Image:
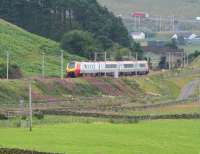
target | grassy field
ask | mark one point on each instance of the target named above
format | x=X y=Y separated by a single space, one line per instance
x=177 y=137
x=26 y=49
x=188 y=8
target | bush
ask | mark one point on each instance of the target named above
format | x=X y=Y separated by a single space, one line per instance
x=3 y=117
x=79 y=42
x=23 y=117
x=14 y=71
x=39 y=115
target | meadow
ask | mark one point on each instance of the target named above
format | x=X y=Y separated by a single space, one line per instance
x=156 y=137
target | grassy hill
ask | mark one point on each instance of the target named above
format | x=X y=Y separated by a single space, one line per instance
x=188 y=8
x=26 y=51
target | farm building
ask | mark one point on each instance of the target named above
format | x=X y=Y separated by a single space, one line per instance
x=186 y=38
x=138 y=35
x=156 y=53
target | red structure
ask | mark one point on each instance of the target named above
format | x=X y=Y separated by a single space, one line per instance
x=139 y=14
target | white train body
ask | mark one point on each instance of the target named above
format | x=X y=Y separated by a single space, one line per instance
x=107 y=68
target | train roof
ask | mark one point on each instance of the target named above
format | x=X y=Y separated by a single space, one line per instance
x=141 y=61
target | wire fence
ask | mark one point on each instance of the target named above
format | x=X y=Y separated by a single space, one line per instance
x=44 y=65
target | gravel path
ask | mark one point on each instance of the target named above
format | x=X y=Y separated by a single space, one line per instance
x=188 y=90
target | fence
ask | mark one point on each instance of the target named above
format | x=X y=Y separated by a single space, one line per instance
x=44 y=65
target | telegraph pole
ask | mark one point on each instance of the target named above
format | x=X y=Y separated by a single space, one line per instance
x=7 y=71
x=173 y=23
x=136 y=57
x=160 y=24
x=184 y=59
x=43 y=63
x=135 y=23
x=139 y=28
x=95 y=56
x=105 y=58
x=62 y=65
x=30 y=106
x=169 y=61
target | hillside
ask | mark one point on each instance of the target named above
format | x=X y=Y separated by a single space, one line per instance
x=25 y=50
x=105 y=95
x=53 y=18
x=181 y=8
x=78 y=94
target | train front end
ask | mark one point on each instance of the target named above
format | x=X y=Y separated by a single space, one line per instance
x=73 y=70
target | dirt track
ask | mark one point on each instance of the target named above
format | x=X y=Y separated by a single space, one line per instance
x=188 y=90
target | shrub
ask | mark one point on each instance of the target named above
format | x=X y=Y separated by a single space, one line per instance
x=3 y=117
x=79 y=42
x=39 y=115
x=14 y=71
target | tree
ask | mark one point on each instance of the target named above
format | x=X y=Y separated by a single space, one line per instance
x=79 y=42
x=194 y=55
x=53 y=18
x=172 y=44
x=163 y=63
x=136 y=48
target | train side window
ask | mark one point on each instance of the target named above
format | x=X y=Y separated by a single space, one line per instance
x=111 y=66
x=128 y=65
x=142 y=65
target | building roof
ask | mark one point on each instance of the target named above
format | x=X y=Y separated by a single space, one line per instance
x=139 y=14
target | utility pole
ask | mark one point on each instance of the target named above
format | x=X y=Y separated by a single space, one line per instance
x=7 y=71
x=135 y=23
x=30 y=106
x=95 y=56
x=160 y=24
x=105 y=58
x=43 y=63
x=173 y=23
x=169 y=61
x=62 y=65
x=172 y=60
x=21 y=105
x=183 y=59
x=136 y=57
x=139 y=28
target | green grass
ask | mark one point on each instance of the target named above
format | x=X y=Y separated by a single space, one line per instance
x=166 y=137
x=26 y=51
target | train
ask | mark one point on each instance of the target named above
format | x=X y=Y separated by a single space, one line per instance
x=107 y=68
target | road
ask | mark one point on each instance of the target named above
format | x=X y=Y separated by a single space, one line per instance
x=188 y=90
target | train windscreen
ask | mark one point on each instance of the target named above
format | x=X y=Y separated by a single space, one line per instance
x=71 y=65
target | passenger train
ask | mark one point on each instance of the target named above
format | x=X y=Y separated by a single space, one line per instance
x=107 y=68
